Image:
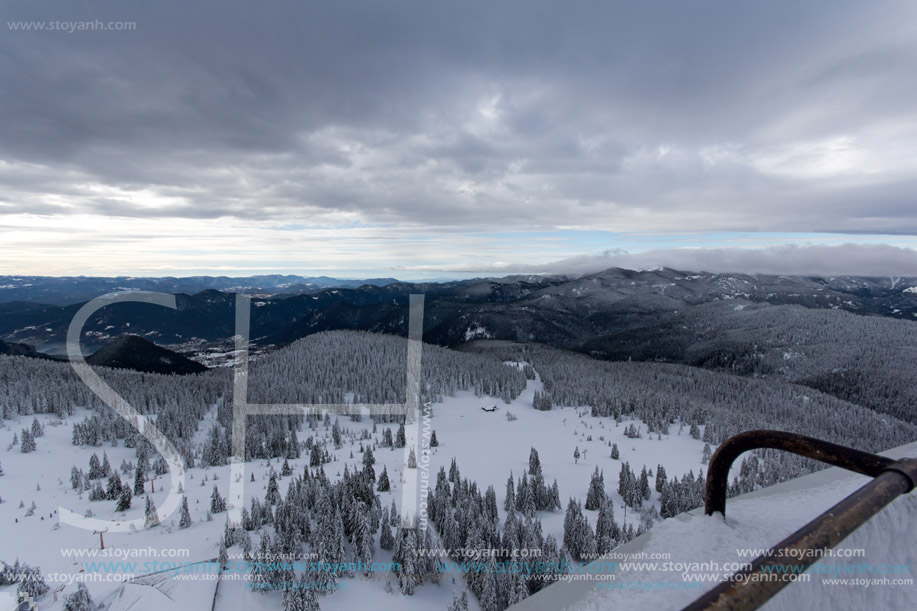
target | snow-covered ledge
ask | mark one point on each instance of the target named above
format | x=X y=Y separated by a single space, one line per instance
x=761 y=519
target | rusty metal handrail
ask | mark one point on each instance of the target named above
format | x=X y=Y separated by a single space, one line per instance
x=891 y=479
x=810 y=447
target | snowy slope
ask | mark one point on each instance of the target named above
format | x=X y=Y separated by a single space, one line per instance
x=486 y=445
x=759 y=520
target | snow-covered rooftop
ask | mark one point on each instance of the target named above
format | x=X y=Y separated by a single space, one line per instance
x=759 y=519
x=164 y=592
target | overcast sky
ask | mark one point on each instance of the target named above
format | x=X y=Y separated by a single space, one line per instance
x=440 y=137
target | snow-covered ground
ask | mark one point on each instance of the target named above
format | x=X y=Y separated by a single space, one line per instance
x=760 y=520
x=486 y=445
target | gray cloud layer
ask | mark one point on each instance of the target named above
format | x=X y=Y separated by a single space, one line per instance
x=668 y=116
x=790 y=260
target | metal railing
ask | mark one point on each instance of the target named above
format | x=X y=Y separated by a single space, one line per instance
x=892 y=478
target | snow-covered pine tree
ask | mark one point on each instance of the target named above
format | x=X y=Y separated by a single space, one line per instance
x=97 y=493
x=217 y=503
x=214 y=453
x=509 y=504
x=627 y=485
x=300 y=597
x=31 y=582
x=259 y=567
x=308 y=601
x=490 y=505
x=279 y=574
x=534 y=462
x=223 y=554
x=95 y=467
x=152 y=516
x=113 y=490
x=579 y=539
x=139 y=479
x=28 y=442
x=336 y=434
x=588 y=549
x=405 y=554
x=368 y=461
x=596 y=495
x=272 y=497
x=660 y=478
x=607 y=531
x=643 y=484
x=315 y=456
x=80 y=600
x=124 y=499
x=386 y=540
x=553 y=503
x=518 y=591
x=384 y=484
x=459 y=603
x=570 y=519
x=542 y=401
x=185 y=519
x=363 y=542
x=668 y=504
x=489 y=597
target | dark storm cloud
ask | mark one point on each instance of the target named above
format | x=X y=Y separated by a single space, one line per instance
x=628 y=116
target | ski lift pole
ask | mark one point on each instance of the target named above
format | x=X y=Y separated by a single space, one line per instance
x=101 y=540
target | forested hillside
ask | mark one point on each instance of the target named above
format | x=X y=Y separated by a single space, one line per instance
x=864 y=359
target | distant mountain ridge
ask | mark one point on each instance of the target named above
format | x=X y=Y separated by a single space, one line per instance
x=68 y=290
x=820 y=332
x=589 y=313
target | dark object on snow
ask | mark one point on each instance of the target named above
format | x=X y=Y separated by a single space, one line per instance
x=492 y=409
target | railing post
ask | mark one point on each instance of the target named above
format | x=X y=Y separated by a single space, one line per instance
x=810 y=447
